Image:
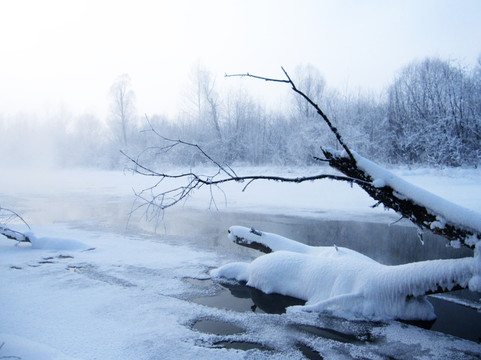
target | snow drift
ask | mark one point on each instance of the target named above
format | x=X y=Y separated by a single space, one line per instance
x=346 y=282
x=50 y=243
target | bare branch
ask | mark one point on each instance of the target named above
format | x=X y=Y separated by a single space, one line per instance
x=193 y=181
x=14 y=214
x=258 y=77
x=323 y=115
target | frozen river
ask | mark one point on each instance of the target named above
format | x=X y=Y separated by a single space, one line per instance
x=144 y=292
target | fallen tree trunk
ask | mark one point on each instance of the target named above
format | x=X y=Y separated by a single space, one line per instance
x=459 y=225
x=13 y=235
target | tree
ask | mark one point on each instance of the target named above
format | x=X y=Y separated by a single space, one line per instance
x=122 y=108
x=432 y=115
x=311 y=83
x=203 y=99
x=307 y=131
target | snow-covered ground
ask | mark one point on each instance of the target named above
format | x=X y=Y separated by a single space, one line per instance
x=130 y=296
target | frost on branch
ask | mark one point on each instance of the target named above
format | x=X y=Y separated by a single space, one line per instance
x=426 y=210
x=344 y=281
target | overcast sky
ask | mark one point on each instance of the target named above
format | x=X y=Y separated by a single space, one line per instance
x=64 y=53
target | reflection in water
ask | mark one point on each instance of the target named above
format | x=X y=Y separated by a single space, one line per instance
x=242 y=345
x=387 y=244
x=456 y=319
x=262 y=302
x=452 y=318
x=216 y=327
x=390 y=245
x=240 y=297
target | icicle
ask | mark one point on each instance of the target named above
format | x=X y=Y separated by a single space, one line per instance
x=420 y=235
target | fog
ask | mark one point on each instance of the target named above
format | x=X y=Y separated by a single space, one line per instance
x=61 y=59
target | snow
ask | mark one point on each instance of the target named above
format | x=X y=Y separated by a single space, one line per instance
x=345 y=280
x=55 y=243
x=26 y=349
x=111 y=303
x=129 y=298
x=447 y=209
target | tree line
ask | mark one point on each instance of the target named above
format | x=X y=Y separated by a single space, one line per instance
x=430 y=115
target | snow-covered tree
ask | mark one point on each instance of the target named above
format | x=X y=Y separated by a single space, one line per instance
x=123 y=116
x=432 y=115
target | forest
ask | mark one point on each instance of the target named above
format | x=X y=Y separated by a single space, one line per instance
x=430 y=115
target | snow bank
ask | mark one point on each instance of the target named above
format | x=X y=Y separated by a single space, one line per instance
x=48 y=243
x=347 y=282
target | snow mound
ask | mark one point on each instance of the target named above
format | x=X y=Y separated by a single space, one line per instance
x=346 y=282
x=16 y=347
x=48 y=243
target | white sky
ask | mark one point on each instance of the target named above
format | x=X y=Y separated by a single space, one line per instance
x=59 y=53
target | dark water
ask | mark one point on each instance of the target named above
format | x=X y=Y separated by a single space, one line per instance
x=385 y=243
x=452 y=318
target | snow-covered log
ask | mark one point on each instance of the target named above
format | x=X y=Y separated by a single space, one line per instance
x=429 y=212
x=5 y=216
x=13 y=235
x=342 y=280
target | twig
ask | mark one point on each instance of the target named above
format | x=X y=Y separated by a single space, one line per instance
x=173 y=196
x=257 y=77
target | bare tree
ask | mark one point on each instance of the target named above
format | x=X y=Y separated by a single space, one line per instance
x=433 y=115
x=347 y=162
x=122 y=107
x=310 y=81
x=203 y=99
